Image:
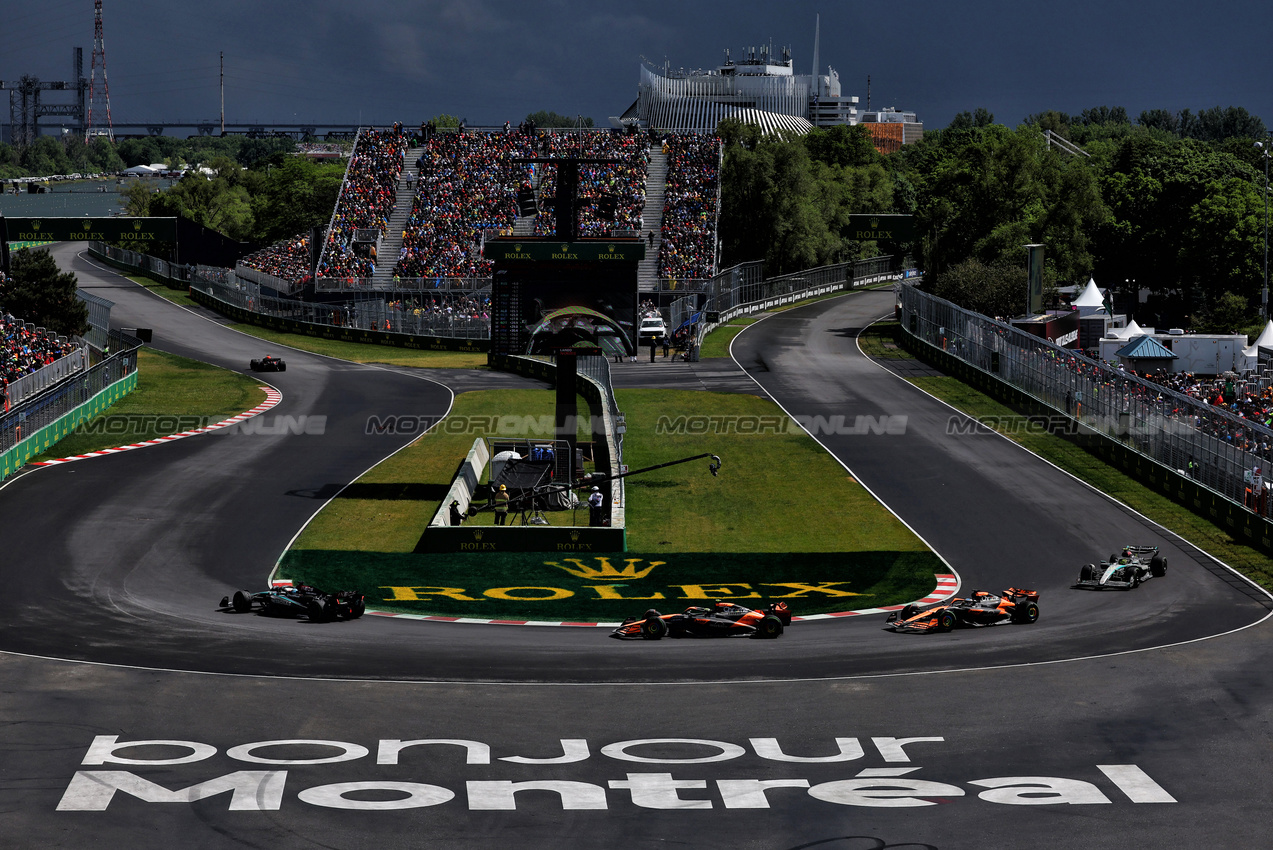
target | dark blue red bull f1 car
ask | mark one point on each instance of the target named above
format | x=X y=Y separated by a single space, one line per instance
x=293 y=600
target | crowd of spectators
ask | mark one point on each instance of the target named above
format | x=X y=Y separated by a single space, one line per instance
x=24 y=350
x=288 y=259
x=467 y=184
x=687 y=244
x=1243 y=399
x=366 y=201
x=623 y=181
x=1235 y=411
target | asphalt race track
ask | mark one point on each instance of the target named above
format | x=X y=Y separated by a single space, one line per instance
x=1119 y=719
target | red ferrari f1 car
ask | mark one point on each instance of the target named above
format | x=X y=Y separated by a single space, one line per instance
x=724 y=620
x=1014 y=605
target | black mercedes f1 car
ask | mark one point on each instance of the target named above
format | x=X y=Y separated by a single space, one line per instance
x=1014 y=605
x=296 y=600
x=268 y=363
x=1124 y=570
x=724 y=620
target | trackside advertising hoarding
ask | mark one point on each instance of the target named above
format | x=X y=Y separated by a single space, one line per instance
x=90 y=229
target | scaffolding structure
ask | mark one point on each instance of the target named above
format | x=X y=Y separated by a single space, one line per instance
x=99 y=57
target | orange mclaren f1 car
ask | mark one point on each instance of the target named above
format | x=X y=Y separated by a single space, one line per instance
x=1014 y=605
x=724 y=620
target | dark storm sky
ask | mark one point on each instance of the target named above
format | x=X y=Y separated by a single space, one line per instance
x=377 y=61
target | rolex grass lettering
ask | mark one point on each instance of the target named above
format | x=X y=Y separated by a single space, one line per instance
x=607 y=588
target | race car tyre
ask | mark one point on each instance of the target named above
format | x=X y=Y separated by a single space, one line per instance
x=946 y=621
x=1157 y=566
x=316 y=611
x=1028 y=613
x=1113 y=559
x=282 y=367
x=654 y=629
x=242 y=602
x=769 y=627
x=908 y=612
x=357 y=609
x=1087 y=572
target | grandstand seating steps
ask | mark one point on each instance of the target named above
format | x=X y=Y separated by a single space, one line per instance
x=391 y=242
x=652 y=220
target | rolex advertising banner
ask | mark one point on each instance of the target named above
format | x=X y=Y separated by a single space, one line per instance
x=1034 y=270
x=89 y=229
x=882 y=228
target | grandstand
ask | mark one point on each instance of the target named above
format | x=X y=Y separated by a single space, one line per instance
x=26 y=350
x=413 y=213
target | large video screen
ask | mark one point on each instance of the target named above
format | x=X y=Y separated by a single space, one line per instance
x=544 y=309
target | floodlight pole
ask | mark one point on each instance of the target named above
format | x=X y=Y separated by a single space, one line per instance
x=1264 y=291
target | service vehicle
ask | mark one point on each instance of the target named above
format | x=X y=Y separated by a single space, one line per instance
x=293 y=600
x=651 y=329
x=982 y=608
x=268 y=363
x=725 y=619
x=1124 y=570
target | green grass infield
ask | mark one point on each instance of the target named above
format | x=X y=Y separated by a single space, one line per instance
x=768 y=502
x=607 y=588
x=173 y=394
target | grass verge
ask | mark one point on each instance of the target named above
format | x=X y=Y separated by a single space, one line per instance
x=173 y=394
x=351 y=351
x=1073 y=458
x=361 y=353
x=602 y=587
x=176 y=296
x=717 y=342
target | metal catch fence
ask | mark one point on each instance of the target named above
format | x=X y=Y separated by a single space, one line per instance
x=1214 y=446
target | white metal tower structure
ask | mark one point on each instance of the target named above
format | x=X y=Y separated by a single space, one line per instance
x=99 y=56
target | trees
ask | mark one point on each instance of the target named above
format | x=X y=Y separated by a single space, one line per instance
x=990 y=190
x=998 y=289
x=295 y=196
x=1187 y=223
x=39 y=293
x=788 y=202
x=547 y=118
x=842 y=145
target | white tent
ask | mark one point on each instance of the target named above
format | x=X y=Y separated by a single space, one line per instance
x=1265 y=338
x=1089 y=297
x=1131 y=331
x=139 y=170
x=1251 y=354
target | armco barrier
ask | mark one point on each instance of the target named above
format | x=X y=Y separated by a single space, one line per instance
x=1245 y=526
x=344 y=334
x=464 y=485
x=44 y=438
